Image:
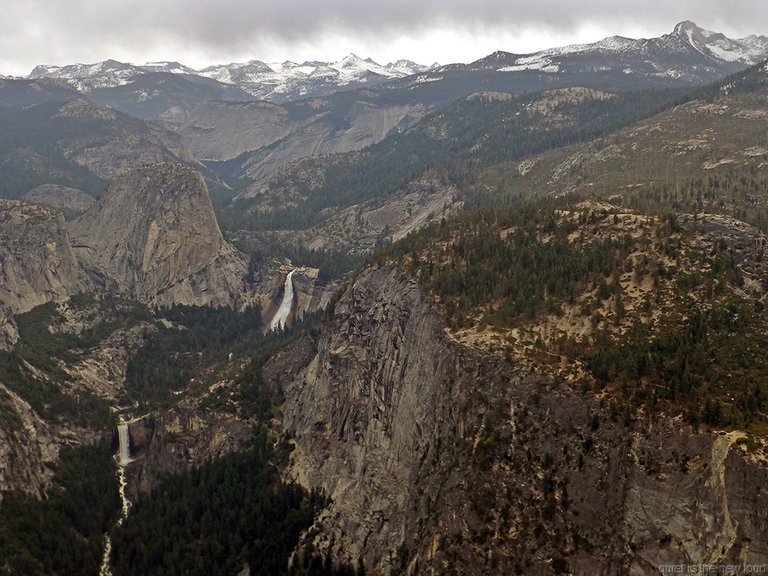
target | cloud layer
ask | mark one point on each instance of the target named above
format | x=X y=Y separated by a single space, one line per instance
x=201 y=32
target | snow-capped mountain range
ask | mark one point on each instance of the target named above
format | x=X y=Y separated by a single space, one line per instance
x=689 y=55
x=686 y=39
x=689 y=51
x=267 y=81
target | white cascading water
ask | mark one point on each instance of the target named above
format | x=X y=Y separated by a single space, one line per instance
x=123 y=458
x=281 y=316
x=124 y=442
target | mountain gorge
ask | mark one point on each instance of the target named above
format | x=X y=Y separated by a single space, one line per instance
x=464 y=461
x=525 y=330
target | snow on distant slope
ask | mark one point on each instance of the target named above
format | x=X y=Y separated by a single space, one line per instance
x=686 y=38
x=87 y=77
x=689 y=53
x=265 y=80
x=259 y=79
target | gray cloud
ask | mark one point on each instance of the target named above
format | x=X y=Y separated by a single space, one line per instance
x=198 y=32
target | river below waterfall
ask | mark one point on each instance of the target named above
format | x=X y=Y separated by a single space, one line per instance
x=123 y=458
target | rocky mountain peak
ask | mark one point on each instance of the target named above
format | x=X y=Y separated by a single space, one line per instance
x=153 y=236
x=705 y=40
x=716 y=45
x=687 y=28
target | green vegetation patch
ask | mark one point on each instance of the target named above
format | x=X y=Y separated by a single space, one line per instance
x=508 y=264
x=192 y=345
x=33 y=369
x=688 y=339
x=216 y=518
x=62 y=533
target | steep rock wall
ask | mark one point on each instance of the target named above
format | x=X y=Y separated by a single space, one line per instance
x=439 y=457
x=37 y=263
x=153 y=236
x=27 y=444
x=369 y=408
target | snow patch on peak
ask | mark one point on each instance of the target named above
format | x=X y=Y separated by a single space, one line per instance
x=353 y=59
x=167 y=67
x=266 y=80
x=746 y=50
x=534 y=62
x=86 y=77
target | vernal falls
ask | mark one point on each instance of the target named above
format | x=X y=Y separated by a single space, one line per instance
x=123 y=458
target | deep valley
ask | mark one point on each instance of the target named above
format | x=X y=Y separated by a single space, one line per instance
x=506 y=317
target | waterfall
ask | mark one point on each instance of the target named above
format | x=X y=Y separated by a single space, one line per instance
x=124 y=453
x=281 y=316
x=123 y=458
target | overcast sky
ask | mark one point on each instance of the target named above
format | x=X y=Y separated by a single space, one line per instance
x=199 y=33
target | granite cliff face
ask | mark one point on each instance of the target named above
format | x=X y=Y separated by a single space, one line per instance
x=439 y=456
x=368 y=409
x=153 y=236
x=27 y=439
x=37 y=263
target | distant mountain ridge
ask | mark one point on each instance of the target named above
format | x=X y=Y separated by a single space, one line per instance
x=688 y=55
x=685 y=41
x=262 y=81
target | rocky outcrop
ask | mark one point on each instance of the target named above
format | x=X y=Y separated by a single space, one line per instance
x=441 y=457
x=27 y=445
x=69 y=201
x=359 y=228
x=367 y=410
x=102 y=369
x=153 y=236
x=37 y=263
x=9 y=332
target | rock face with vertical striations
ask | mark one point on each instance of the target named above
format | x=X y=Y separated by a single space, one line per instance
x=24 y=438
x=37 y=263
x=369 y=407
x=442 y=458
x=153 y=236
